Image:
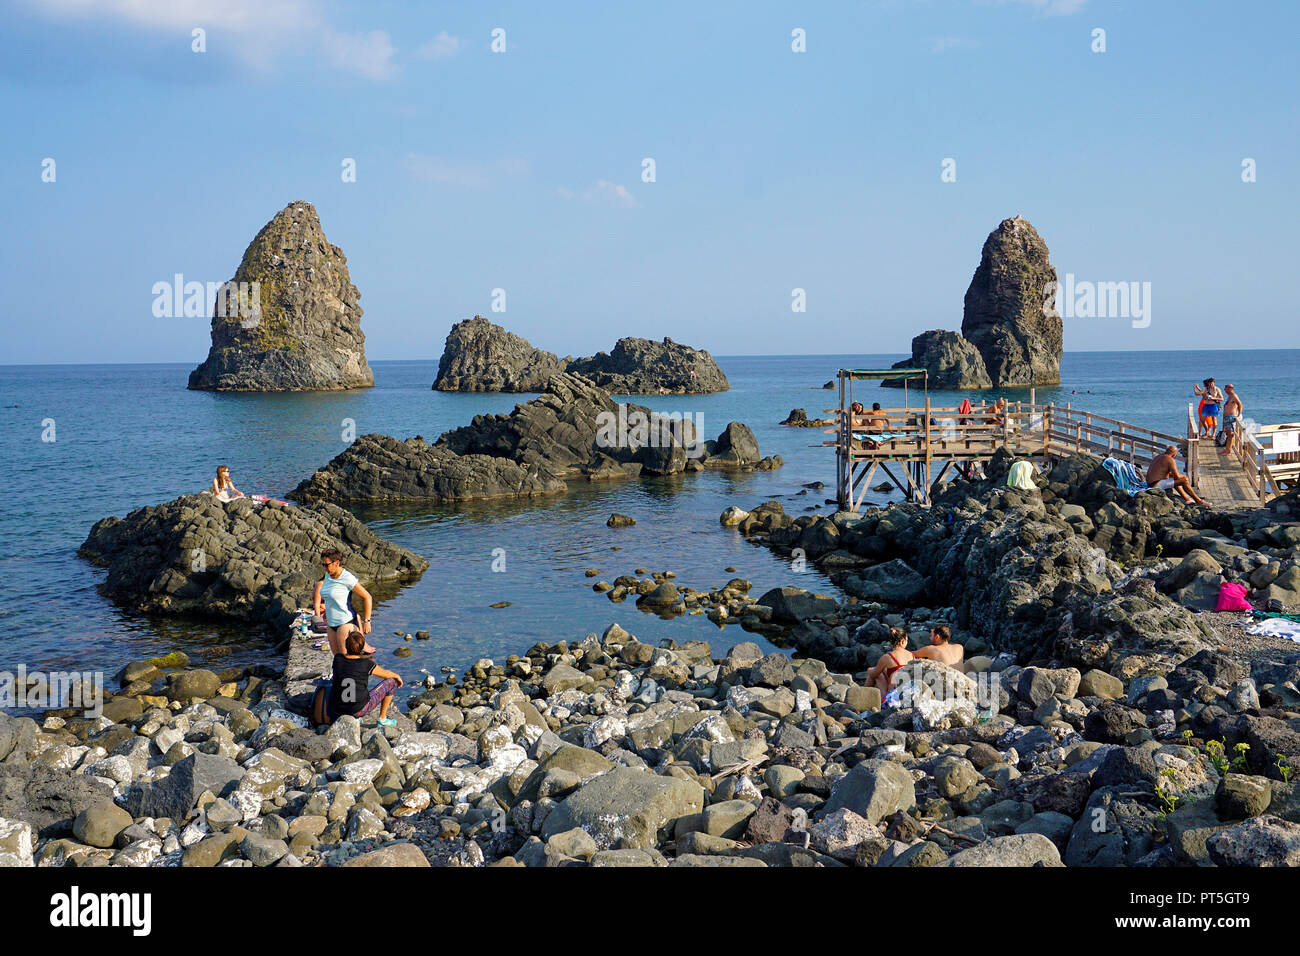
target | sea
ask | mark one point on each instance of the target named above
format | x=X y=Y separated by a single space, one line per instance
x=81 y=442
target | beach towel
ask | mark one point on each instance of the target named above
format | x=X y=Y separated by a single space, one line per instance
x=263 y=499
x=1021 y=476
x=1232 y=597
x=1127 y=478
x=1277 y=627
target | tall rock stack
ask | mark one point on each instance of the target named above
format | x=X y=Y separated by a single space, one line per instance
x=1004 y=315
x=1008 y=337
x=304 y=333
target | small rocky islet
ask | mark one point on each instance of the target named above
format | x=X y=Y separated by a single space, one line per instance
x=1090 y=688
x=481 y=356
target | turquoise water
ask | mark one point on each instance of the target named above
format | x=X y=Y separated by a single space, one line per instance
x=128 y=436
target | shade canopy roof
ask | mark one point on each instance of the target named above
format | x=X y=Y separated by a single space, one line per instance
x=881 y=373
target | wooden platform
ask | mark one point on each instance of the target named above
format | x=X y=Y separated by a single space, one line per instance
x=917 y=447
x=1223 y=482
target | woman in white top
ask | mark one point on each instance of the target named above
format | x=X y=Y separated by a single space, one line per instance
x=223 y=487
x=331 y=601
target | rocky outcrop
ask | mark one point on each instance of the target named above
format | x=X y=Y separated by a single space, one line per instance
x=952 y=362
x=573 y=430
x=483 y=357
x=1004 y=315
x=645 y=367
x=198 y=556
x=300 y=327
x=480 y=356
x=1010 y=332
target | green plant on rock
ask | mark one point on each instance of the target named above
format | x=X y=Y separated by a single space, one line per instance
x=1239 y=762
x=1165 y=795
x=1283 y=768
x=1215 y=750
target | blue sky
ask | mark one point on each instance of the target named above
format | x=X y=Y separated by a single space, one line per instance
x=522 y=170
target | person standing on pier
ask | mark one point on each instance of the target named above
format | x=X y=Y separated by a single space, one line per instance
x=1231 y=419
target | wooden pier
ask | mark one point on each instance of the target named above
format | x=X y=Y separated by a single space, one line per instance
x=917 y=447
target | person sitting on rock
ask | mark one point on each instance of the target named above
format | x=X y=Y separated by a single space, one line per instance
x=223 y=487
x=333 y=601
x=941 y=648
x=348 y=691
x=1163 y=473
x=882 y=675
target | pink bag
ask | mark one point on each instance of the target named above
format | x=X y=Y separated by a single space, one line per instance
x=1232 y=597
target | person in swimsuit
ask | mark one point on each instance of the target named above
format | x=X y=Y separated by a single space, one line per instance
x=332 y=601
x=348 y=691
x=223 y=487
x=882 y=675
x=941 y=648
x=1209 y=408
x=1163 y=473
x=1231 y=419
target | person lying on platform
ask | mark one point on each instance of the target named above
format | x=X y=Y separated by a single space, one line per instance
x=1163 y=473
x=882 y=675
x=941 y=648
x=348 y=691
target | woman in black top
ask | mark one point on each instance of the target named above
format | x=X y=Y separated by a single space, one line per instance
x=346 y=693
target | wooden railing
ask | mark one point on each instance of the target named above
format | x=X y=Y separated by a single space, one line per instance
x=1269 y=456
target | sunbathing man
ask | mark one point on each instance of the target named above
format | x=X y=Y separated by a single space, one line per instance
x=941 y=648
x=1163 y=473
x=878 y=420
x=882 y=675
x=1231 y=419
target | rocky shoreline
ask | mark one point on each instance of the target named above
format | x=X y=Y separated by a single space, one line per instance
x=1089 y=693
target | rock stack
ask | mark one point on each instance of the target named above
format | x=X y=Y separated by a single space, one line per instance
x=1010 y=332
x=301 y=329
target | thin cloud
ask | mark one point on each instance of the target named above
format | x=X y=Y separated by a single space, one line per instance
x=257 y=31
x=1053 y=8
x=366 y=54
x=463 y=175
x=944 y=44
x=604 y=193
x=440 y=47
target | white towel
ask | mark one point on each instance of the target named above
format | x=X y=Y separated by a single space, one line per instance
x=1277 y=627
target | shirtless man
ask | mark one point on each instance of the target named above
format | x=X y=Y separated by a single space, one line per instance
x=877 y=419
x=941 y=648
x=1231 y=418
x=1163 y=473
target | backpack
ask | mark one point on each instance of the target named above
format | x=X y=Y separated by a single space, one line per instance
x=1221 y=439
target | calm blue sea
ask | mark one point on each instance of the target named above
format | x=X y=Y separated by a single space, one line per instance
x=127 y=436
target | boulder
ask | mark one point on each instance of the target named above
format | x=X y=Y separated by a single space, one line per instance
x=1020 y=849
x=1260 y=841
x=626 y=808
x=176 y=795
x=873 y=789
x=952 y=362
x=893 y=582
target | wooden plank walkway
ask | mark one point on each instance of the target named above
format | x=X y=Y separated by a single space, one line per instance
x=1222 y=481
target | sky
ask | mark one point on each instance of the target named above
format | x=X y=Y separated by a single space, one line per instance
x=857 y=151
